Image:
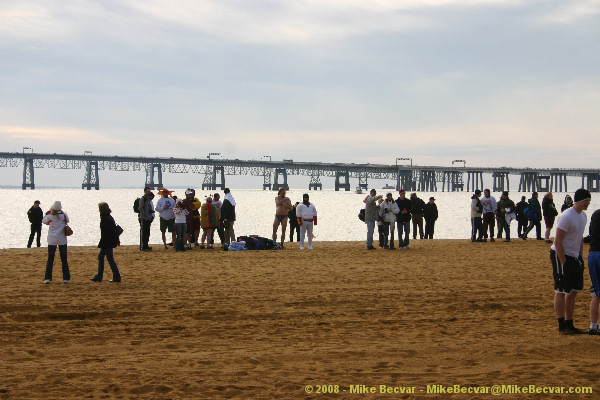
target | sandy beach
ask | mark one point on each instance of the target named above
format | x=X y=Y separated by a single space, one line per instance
x=209 y=324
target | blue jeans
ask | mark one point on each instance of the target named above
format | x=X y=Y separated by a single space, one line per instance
x=111 y=261
x=390 y=228
x=403 y=227
x=370 y=230
x=63 y=259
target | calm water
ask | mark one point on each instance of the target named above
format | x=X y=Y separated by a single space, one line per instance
x=255 y=212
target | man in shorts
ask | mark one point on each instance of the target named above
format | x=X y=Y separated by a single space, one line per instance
x=594 y=268
x=567 y=261
x=165 y=206
x=283 y=205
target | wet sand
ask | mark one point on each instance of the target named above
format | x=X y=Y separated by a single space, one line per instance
x=264 y=325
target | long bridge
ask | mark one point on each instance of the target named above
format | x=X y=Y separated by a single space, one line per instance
x=275 y=173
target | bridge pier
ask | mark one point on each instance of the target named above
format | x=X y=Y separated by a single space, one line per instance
x=501 y=182
x=28 y=181
x=91 y=178
x=556 y=181
x=405 y=180
x=266 y=179
x=528 y=182
x=454 y=181
x=210 y=178
x=283 y=173
x=150 y=168
x=315 y=182
x=474 y=180
x=427 y=181
x=593 y=181
x=363 y=180
x=346 y=184
x=543 y=183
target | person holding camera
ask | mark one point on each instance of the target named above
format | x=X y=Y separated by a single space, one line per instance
x=389 y=210
x=404 y=219
x=57 y=220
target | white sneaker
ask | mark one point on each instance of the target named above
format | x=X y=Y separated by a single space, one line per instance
x=310 y=248
x=302 y=248
x=66 y=281
x=47 y=281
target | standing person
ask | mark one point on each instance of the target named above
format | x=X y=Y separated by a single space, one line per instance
x=389 y=210
x=35 y=215
x=109 y=239
x=404 y=219
x=283 y=205
x=306 y=214
x=196 y=205
x=476 y=222
x=417 y=205
x=165 y=206
x=217 y=203
x=380 y=225
x=567 y=261
x=506 y=210
x=181 y=214
x=228 y=211
x=188 y=204
x=209 y=221
x=293 y=219
x=549 y=212
x=430 y=212
x=490 y=206
x=534 y=216
x=146 y=216
x=56 y=220
x=594 y=269
x=371 y=216
x=568 y=203
x=521 y=217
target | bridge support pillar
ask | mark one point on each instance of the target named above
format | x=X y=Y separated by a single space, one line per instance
x=501 y=182
x=339 y=185
x=363 y=180
x=543 y=183
x=266 y=179
x=427 y=182
x=593 y=181
x=91 y=178
x=315 y=182
x=528 y=182
x=210 y=179
x=474 y=180
x=556 y=181
x=405 y=180
x=28 y=181
x=150 y=169
x=283 y=173
x=454 y=181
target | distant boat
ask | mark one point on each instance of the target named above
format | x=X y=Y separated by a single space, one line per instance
x=358 y=190
x=388 y=186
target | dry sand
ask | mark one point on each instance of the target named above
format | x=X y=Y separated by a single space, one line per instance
x=263 y=325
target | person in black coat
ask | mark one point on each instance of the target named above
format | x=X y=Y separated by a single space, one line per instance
x=294 y=223
x=109 y=239
x=403 y=218
x=35 y=215
x=430 y=213
x=522 y=220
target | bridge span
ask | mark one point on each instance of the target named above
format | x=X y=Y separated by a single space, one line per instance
x=275 y=173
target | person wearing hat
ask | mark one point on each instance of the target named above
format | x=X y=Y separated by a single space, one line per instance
x=56 y=220
x=566 y=256
x=430 y=213
x=568 y=203
x=506 y=213
x=521 y=217
x=476 y=221
x=165 y=206
x=371 y=215
x=403 y=218
x=35 y=215
x=228 y=216
x=389 y=209
x=594 y=269
x=534 y=216
x=306 y=215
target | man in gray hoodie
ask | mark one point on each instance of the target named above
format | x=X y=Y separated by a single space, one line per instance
x=146 y=216
x=371 y=216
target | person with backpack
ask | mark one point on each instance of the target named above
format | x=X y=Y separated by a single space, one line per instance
x=534 y=215
x=145 y=217
x=476 y=221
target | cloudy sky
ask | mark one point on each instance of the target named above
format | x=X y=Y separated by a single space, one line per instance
x=494 y=82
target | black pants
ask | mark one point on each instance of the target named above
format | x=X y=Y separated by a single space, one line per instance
x=521 y=226
x=429 y=227
x=144 y=233
x=35 y=229
x=220 y=232
x=295 y=227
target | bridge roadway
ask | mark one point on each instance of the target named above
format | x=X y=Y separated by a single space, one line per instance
x=275 y=173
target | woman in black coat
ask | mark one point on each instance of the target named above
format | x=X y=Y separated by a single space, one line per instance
x=108 y=241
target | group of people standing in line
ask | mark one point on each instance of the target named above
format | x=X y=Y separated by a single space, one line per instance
x=487 y=213
x=388 y=212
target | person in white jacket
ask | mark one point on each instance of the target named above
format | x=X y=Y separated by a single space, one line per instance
x=56 y=220
x=388 y=210
x=307 y=218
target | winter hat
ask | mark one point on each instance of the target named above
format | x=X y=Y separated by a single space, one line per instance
x=56 y=206
x=582 y=194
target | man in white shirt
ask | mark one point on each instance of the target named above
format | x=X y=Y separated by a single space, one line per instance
x=490 y=206
x=307 y=218
x=165 y=206
x=567 y=261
